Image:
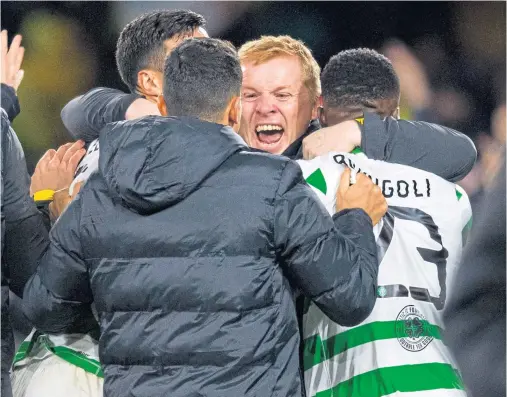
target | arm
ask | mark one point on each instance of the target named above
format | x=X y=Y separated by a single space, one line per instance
x=58 y=296
x=475 y=313
x=86 y=115
x=332 y=260
x=430 y=147
x=26 y=235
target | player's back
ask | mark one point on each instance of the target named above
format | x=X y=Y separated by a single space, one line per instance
x=399 y=347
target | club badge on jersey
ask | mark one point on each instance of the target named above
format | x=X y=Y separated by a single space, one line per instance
x=398 y=348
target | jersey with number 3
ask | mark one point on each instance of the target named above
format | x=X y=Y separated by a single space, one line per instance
x=398 y=350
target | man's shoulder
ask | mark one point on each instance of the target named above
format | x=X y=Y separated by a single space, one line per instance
x=254 y=168
x=257 y=158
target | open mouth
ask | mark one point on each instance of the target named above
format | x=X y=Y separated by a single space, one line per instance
x=269 y=134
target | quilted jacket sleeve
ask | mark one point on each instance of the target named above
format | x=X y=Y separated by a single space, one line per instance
x=58 y=296
x=332 y=260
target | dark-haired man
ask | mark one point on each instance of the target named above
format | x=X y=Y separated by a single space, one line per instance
x=398 y=348
x=140 y=53
x=190 y=245
x=359 y=80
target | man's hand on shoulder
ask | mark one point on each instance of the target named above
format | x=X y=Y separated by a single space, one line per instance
x=363 y=194
x=56 y=168
x=140 y=108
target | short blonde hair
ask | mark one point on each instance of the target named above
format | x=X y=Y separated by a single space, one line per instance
x=269 y=47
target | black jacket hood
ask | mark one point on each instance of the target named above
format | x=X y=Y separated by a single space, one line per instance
x=155 y=162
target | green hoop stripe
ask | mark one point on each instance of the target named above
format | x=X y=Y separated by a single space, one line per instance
x=71 y=356
x=317 y=351
x=403 y=378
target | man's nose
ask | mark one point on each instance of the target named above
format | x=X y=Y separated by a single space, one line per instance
x=265 y=104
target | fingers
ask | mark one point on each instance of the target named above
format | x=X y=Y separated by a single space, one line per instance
x=18 y=60
x=58 y=158
x=313 y=146
x=380 y=205
x=13 y=56
x=15 y=45
x=67 y=155
x=4 y=43
x=306 y=151
x=75 y=147
x=48 y=155
x=19 y=78
x=45 y=159
x=344 y=182
x=75 y=159
x=363 y=181
x=377 y=190
x=3 y=68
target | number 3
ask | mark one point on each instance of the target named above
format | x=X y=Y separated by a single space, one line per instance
x=439 y=258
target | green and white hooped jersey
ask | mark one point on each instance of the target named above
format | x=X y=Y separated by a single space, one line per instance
x=398 y=349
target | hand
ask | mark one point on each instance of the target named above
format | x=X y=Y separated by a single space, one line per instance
x=61 y=201
x=342 y=137
x=11 y=72
x=140 y=108
x=363 y=194
x=414 y=85
x=55 y=170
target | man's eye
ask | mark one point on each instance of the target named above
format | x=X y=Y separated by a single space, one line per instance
x=249 y=95
x=283 y=95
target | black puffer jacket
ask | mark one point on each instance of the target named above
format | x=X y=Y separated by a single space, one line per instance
x=191 y=247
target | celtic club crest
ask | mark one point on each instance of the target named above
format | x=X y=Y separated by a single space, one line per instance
x=412 y=329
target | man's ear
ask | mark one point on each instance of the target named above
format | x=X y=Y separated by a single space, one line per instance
x=149 y=83
x=316 y=108
x=234 y=113
x=162 y=107
x=396 y=113
x=322 y=117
